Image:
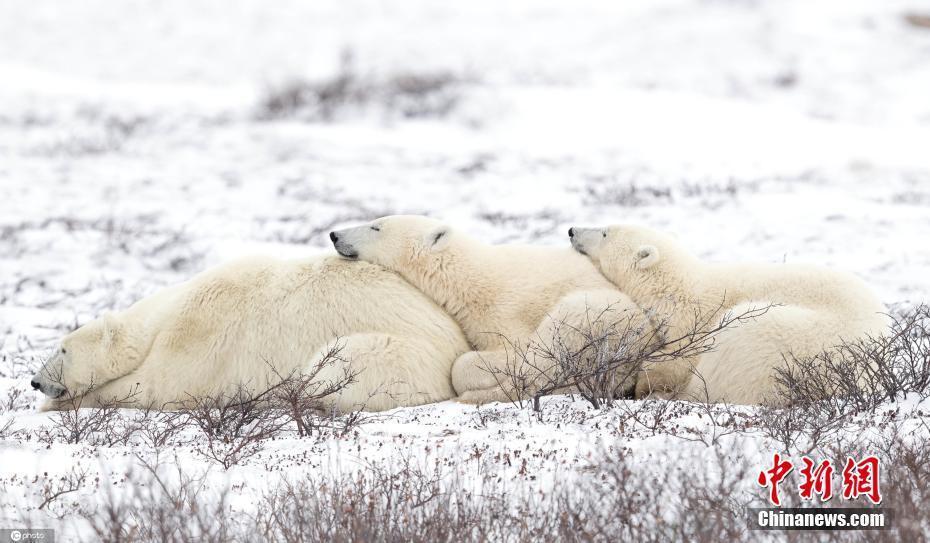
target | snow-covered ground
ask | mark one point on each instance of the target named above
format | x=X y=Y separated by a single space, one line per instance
x=141 y=142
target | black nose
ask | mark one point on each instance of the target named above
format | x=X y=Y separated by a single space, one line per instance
x=334 y=237
x=35 y=384
x=571 y=232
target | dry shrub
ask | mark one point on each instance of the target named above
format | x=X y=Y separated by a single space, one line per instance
x=611 y=499
x=858 y=376
x=159 y=506
x=302 y=396
x=233 y=426
x=918 y=20
x=158 y=427
x=602 y=367
x=406 y=95
x=7 y=406
x=614 y=499
x=641 y=189
x=799 y=428
x=906 y=485
x=13 y=399
x=904 y=457
x=695 y=494
x=823 y=393
x=405 y=503
x=57 y=486
x=103 y=424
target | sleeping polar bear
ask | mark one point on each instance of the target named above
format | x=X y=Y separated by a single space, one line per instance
x=803 y=310
x=503 y=296
x=229 y=326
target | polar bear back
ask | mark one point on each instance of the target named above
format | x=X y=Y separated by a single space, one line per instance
x=238 y=321
x=813 y=287
x=318 y=298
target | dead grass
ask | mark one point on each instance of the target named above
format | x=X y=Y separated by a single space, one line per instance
x=823 y=394
x=612 y=498
x=405 y=95
x=601 y=358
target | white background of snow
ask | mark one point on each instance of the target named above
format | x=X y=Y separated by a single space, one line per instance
x=568 y=100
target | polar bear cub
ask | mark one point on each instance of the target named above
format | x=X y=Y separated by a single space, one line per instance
x=801 y=310
x=252 y=321
x=503 y=296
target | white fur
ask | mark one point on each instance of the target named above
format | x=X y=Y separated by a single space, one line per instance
x=230 y=324
x=501 y=295
x=813 y=309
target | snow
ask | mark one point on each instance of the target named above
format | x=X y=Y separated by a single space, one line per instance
x=133 y=153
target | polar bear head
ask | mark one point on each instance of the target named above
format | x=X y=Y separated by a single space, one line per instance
x=401 y=243
x=88 y=357
x=632 y=257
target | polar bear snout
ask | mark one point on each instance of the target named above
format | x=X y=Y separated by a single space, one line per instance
x=49 y=379
x=342 y=245
x=45 y=387
x=585 y=240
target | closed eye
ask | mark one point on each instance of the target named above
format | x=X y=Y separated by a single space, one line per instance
x=376 y=228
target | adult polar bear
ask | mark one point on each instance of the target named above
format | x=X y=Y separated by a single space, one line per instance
x=502 y=296
x=228 y=325
x=803 y=310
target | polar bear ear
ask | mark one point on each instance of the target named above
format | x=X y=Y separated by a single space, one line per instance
x=111 y=327
x=438 y=238
x=647 y=256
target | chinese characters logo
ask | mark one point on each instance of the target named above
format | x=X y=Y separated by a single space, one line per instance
x=859 y=479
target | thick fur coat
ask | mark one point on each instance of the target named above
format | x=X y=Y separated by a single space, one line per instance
x=503 y=296
x=795 y=311
x=249 y=321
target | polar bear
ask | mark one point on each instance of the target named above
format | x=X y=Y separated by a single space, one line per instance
x=505 y=297
x=251 y=322
x=793 y=310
